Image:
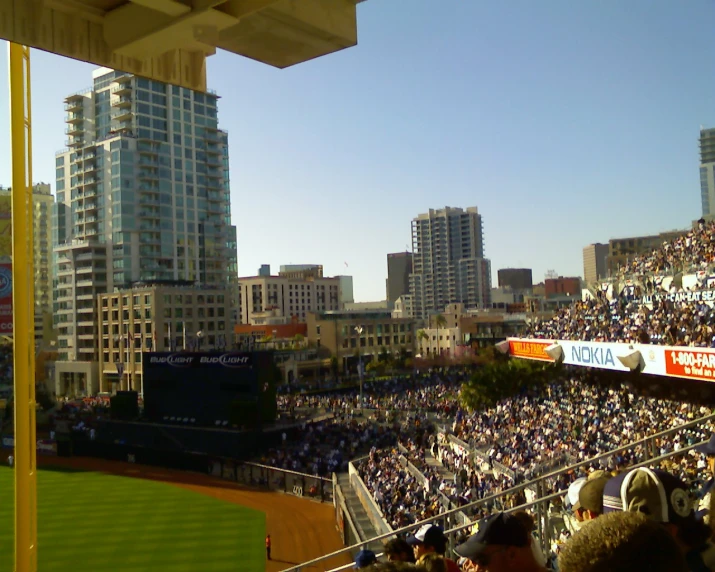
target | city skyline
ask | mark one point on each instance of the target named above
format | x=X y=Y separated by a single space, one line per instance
x=606 y=117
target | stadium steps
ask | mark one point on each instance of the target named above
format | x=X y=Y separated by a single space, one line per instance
x=357 y=513
x=442 y=471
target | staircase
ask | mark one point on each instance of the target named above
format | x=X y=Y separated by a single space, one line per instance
x=364 y=527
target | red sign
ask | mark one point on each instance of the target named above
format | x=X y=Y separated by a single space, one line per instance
x=691 y=363
x=530 y=349
x=6 y=299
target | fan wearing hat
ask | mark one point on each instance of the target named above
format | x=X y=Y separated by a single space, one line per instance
x=705 y=494
x=590 y=498
x=663 y=498
x=365 y=558
x=501 y=544
x=430 y=539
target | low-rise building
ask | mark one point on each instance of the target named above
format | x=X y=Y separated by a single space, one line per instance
x=353 y=335
x=438 y=341
x=404 y=307
x=154 y=318
x=288 y=297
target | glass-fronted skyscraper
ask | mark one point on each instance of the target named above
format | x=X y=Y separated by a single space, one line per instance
x=142 y=195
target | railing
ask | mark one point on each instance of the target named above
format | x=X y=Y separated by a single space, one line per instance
x=646 y=445
x=377 y=519
x=273 y=478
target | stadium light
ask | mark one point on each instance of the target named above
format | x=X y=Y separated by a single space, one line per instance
x=555 y=352
x=633 y=360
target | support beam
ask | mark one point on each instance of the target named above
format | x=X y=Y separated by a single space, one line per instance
x=23 y=312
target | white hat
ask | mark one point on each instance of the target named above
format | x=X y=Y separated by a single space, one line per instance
x=571 y=497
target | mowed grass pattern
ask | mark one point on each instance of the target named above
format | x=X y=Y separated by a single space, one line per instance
x=95 y=522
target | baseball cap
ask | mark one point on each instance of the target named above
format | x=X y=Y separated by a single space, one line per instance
x=657 y=494
x=364 y=558
x=571 y=498
x=429 y=534
x=497 y=530
x=590 y=497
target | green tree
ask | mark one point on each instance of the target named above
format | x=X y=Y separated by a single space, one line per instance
x=421 y=336
x=498 y=380
x=440 y=322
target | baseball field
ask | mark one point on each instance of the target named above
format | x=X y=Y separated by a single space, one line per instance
x=99 y=515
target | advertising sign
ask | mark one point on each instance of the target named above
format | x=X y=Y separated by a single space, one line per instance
x=691 y=363
x=6 y=299
x=595 y=354
x=162 y=360
x=530 y=349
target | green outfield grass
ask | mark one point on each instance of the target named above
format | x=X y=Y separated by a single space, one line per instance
x=95 y=522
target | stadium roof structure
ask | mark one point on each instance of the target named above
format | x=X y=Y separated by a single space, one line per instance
x=169 y=40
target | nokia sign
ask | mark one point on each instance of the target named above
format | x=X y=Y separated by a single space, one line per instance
x=592 y=355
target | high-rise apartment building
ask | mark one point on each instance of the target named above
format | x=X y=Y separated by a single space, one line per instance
x=448 y=261
x=142 y=196
x=42 y=235
x=399 y=268
x=707 y=171
x=595 y=262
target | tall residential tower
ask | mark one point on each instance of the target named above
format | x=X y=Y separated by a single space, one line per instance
x=448 y=261
x=707 y=171
x=142 y=196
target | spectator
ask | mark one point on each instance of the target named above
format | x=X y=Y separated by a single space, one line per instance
x=397 y=550
x=502 y=544
x=365 y=559
x=622 y=542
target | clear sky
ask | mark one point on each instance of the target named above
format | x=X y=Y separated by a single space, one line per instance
x=565 y=122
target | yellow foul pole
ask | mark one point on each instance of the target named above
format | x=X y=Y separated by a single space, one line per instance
x=23 y=312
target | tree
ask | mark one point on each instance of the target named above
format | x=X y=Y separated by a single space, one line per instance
x=334 y=366
x=298 y=340
x=498 y=380
x=383 y=356
x=421 y=336
x=440 y=322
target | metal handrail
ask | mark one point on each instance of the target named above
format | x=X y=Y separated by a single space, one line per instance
x=515 y=489
x=306 y=475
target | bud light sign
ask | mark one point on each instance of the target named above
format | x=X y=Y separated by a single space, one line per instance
x=6 y=299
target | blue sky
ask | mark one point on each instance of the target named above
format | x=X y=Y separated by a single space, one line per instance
x=565 y=122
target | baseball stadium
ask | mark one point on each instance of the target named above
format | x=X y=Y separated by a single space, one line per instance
x=579 y=440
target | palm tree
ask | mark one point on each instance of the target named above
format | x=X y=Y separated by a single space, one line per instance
x=421 y=335
x=440 y=321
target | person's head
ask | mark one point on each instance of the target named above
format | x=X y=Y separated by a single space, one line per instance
x=501 y=544
x=708 y=449
x=622 y=542
x=571 y=498
x=429 y=538
x=433 y=562
x=395 y=567
x=590 y=498
x=662 y=498
x=397 y=550
x=365 y=558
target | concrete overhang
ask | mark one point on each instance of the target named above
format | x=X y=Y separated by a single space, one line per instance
x=169 y=40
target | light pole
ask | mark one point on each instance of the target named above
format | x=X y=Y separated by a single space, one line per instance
x=199 y=338
x=358 y=330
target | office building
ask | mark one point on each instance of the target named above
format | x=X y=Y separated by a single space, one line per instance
x=287 y=298
x=622 y=251
x=370 y=333
x=595 y=259
x=346 y=289
x=562 y=286
x=515 y=278
x=301 y=270
x=707 y=171
x=448 y=261
x=154 y=318
x=399 y=268
x=142 y=196
x=264 y=270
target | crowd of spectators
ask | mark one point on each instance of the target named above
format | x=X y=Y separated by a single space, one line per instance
x=624 y=316
x=692 y=251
